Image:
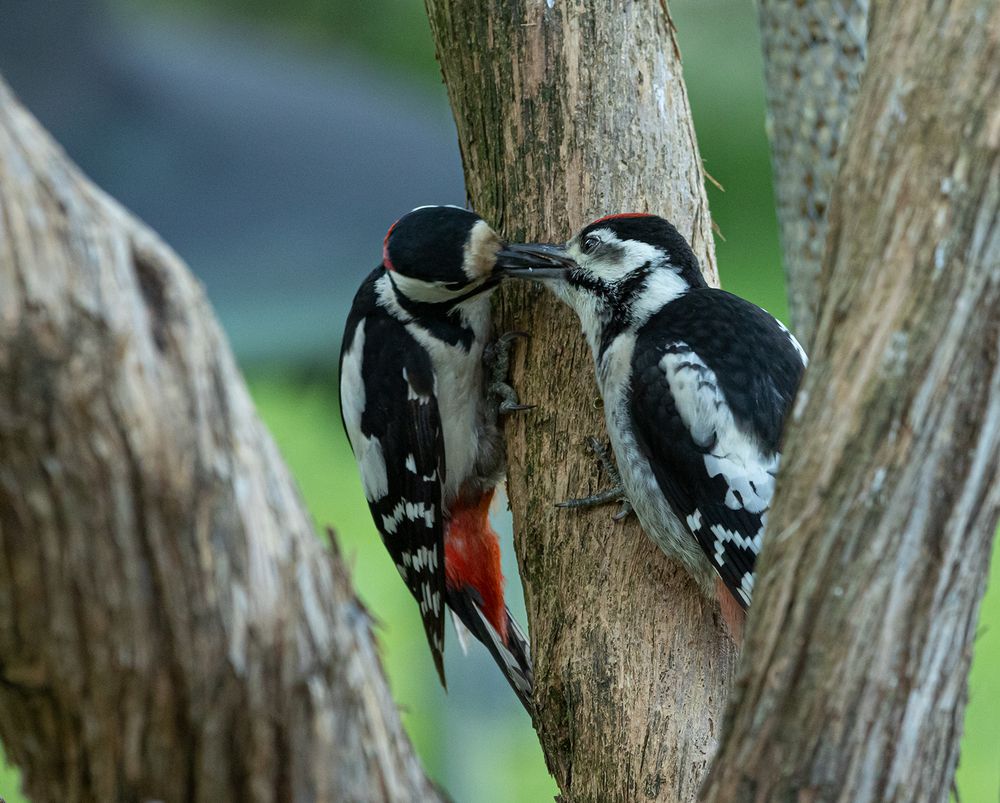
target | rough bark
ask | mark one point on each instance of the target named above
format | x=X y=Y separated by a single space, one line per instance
x=170 y=626
x=853 y=679
x=566 y=112
x=814 y=56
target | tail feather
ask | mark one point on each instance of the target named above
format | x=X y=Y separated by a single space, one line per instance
x=462 y=632
x=513 y=658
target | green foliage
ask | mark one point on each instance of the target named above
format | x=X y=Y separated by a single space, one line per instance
x=723 y=73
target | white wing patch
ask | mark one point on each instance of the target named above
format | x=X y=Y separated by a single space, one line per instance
x=795 y=342
x=367 y=450
x=749 y=474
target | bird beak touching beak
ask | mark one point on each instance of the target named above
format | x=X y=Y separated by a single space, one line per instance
x=533 y=261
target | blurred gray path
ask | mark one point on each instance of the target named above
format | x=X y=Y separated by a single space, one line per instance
x=274 y=173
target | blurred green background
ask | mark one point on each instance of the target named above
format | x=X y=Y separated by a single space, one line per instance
x=476 y=740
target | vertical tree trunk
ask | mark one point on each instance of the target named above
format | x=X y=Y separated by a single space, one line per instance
x=566 y=112
x=170 y=626
x=814 y=56
x=853 y=679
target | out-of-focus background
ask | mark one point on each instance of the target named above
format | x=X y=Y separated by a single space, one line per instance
x=272 y=144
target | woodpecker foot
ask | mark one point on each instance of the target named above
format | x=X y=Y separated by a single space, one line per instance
x=616 y=493
x=497 y=361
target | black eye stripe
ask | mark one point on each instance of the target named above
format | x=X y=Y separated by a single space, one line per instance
x=579 y=278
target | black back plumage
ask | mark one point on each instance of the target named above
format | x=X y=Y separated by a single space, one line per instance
x=401 y=412
x=737 y=355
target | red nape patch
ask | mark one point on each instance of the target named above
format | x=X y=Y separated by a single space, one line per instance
x=618 y=217
x=386 y=262
x=472 y=557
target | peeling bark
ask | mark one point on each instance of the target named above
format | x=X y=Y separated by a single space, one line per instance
x=170 y=626
x=852 y=684
x=566 y=112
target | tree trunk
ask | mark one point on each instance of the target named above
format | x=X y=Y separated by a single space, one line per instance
x=170 y=626
x=566 y=112
x=853 y=679
x=814 y=56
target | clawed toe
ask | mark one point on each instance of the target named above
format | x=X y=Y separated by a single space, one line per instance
x=614 y=494
x=497 y=361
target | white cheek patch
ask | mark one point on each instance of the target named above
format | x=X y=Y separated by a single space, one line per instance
x=428 y=292
x=480 y=251
x=623 y=257
x=662 y=285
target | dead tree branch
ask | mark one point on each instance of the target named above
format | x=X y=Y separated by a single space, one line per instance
x=170 y=626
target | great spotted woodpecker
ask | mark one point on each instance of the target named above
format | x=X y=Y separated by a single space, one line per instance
x=696 y=385
x=422 y=420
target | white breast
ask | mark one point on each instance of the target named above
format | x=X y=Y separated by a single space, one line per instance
x=460 y=399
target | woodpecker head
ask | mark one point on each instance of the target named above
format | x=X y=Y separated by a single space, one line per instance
x=619 y=265
x=446 y=254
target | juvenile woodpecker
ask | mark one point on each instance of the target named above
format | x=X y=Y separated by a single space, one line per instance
x=696 y=383
x=422 y=419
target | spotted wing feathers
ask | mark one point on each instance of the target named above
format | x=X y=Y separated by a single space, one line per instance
x=390 y=412
x=708 y=407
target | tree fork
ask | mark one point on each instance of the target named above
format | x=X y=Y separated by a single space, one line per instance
x=566 y=112
x=887 y=503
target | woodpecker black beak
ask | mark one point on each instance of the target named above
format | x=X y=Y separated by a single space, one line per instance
x=533 y=261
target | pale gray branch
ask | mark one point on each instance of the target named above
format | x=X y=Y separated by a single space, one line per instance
x=852 y=684
x=170 y=626
x=814 y=57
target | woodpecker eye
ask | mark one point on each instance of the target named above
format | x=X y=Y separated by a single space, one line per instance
x=590 y=244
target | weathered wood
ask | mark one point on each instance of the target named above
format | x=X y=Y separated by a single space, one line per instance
x=565 y=112
x=853 y=679
x=814 y=57
x=170 y=626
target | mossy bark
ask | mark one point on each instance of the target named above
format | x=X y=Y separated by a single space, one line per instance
x=568 y=111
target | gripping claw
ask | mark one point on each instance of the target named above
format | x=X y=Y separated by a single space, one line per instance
x=616 y=493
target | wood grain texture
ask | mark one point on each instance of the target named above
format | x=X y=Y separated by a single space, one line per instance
x=170 y=626
x=814 y=57
x=568 y=111
x=852 y=684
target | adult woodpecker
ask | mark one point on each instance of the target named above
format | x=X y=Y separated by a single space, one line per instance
x=696 y=383
x=422 y=420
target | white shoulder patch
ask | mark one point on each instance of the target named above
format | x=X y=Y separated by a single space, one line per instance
x=367 y=450
x=748 y=473
x=795 y=342
x=696 y=392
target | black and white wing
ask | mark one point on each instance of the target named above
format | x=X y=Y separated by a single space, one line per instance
x=713 y=379
x=390 y=411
